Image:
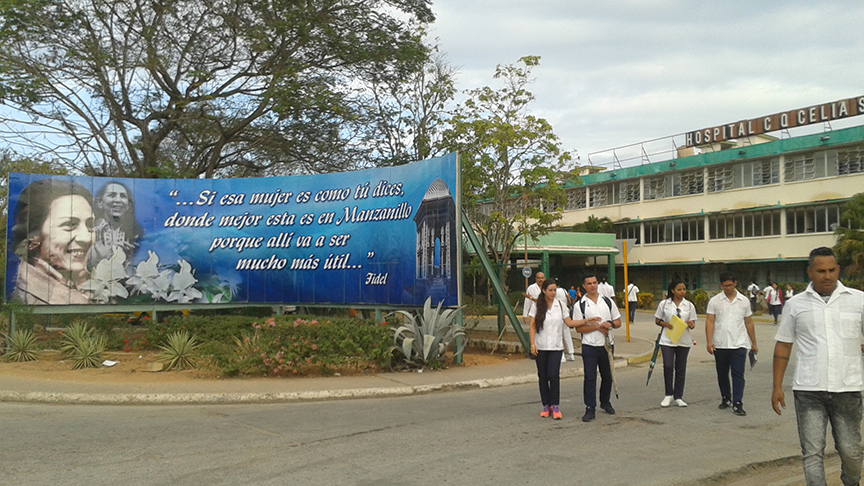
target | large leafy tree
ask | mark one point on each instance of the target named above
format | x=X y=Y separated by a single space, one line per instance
x=200 y=88
x=513 y=167
x=850 y=237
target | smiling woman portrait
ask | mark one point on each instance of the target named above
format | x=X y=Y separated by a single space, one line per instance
x=52 y=235
x=116 y=227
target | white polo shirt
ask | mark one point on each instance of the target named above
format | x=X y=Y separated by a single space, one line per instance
x=632 y=293
x=729 y=329
x=533 y=291
x=666 y=310
x=828 y=339
x=601 y=310
x=550 y=338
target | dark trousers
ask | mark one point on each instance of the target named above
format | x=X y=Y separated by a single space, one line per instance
x=674 y=369
x=752 y=304
x=632 y=308
x=594 y=357
x=549 y=373
x=774 y=310
x=733 y=360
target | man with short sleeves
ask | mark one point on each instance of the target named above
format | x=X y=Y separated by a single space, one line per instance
x=730 y=334
x=632 y=300
x=594 y=355
x=826 y=321
x=606 y=289
x=753 y=290
x=531 y=295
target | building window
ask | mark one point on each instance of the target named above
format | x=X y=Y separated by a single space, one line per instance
x=764 y=172
x=744 y=225
x=800 y=167
x=628 y=231
x=720 y=178
x=628 y=191
x=601 y=195
x=747 y=174
x=812 y=219
x=576 y=199
x=849 y=161
x=676 y=184
x=679 y=229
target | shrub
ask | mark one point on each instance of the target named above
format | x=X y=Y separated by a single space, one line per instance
x=88 y=353
x=20 y=346
x=646 y=300
x=427 y=336
x=178 y=351
x=699 y=298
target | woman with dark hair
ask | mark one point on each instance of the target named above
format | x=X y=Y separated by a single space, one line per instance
x=547 y=331
x=675 y=354
x=52 y=234
x=116 y=226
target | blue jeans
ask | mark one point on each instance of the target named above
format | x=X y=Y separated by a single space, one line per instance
x=549 y=373
x=631 y=306
x=814 y=410
x=726 y=360
x=594 y=357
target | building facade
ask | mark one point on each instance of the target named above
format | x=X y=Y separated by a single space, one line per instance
x=755 y=210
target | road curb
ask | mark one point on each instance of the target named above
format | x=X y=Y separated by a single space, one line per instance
x=287 y=397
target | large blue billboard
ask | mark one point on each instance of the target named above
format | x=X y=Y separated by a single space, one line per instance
x=380 y=236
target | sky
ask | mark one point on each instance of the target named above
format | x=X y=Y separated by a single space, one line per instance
x=619 y=72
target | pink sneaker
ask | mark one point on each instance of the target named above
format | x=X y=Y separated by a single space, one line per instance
x=556 y=414
x=545 y=412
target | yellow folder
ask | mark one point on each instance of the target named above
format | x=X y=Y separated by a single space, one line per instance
x=678 y=327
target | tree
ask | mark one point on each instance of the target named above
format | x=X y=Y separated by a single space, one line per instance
x=594 y=225
x=408 y=116
x=850 y=237
x=195 y=88
x=512 y=165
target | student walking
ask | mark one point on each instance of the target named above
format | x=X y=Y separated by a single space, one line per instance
x=730 y=334
x=548 y=326
x=675 y=354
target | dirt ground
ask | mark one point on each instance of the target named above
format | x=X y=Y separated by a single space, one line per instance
x=132 y=367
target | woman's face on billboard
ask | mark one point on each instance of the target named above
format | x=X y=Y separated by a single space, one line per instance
x=67 y=234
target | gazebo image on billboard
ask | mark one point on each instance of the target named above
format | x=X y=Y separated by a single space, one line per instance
x=436 y=243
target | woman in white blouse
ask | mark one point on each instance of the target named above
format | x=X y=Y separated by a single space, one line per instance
x=675 y=354
x=548 y=321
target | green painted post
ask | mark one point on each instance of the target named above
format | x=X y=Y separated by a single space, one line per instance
x=379 y=317
x=610 y=269
x=496 y=284
x=544 y=264
x=11 y=322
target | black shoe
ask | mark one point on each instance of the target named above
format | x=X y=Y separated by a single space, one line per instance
x=589 y=415
x=738 y=408
x=725 y=404
x=608 y=409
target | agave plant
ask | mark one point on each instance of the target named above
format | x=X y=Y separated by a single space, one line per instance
x=74 y=337
x=20 y=346
x=425 y=338
x=88 y=352
x=179 y=351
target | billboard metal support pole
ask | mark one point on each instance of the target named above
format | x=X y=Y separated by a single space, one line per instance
x=496 y=284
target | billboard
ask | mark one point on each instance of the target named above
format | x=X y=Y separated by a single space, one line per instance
x=386 y=236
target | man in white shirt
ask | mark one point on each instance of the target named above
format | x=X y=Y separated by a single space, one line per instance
x=606 y=289
x=826 y=321
x=594 y=355
x=753 y=290
x=772 y=298
x=531 y=295
x=730 y=333
x=632 y=300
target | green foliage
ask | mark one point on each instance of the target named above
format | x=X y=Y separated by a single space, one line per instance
x=513 y=168
x=699 y=298
x=290 y=346
x=424 y=339
x=189 y=88
x=20 y=346
x=850 y=237
x=83 y=346
x=854 y=284
x=178 y=352
x=594 y=225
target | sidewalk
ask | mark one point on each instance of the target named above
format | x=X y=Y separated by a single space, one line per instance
x=148 y=389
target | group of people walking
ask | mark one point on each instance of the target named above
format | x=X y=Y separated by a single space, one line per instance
x=826 y=321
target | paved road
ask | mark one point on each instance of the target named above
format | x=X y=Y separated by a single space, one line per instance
x=491 y=436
